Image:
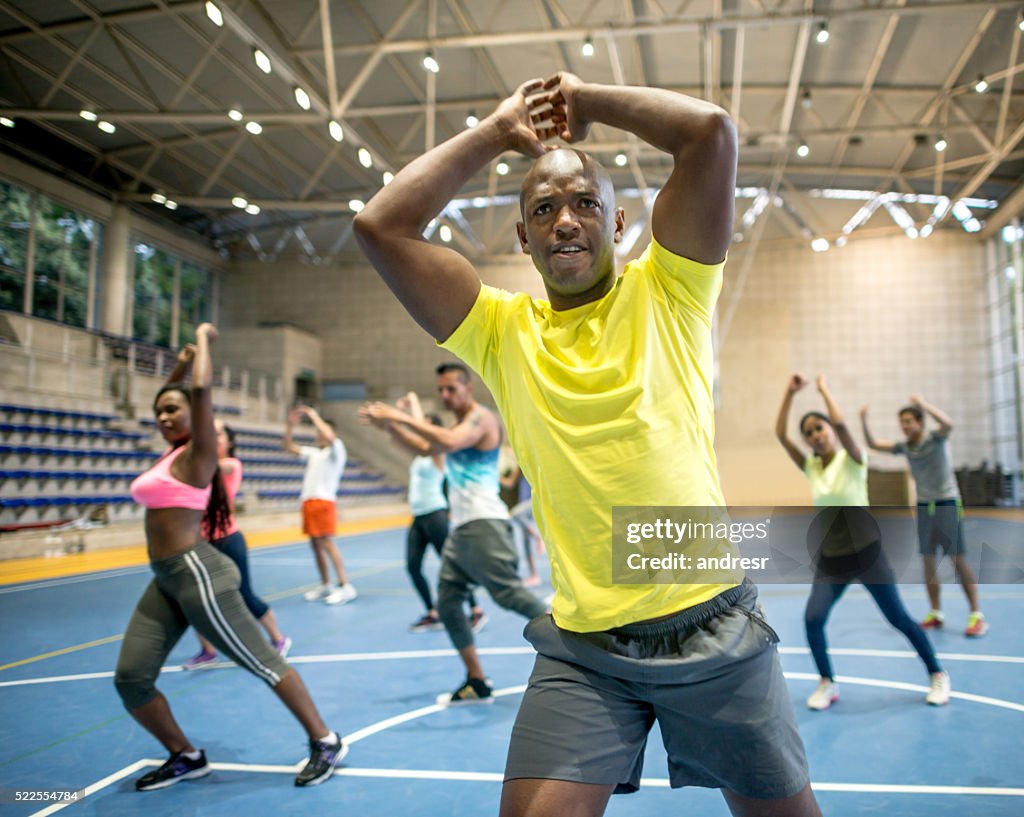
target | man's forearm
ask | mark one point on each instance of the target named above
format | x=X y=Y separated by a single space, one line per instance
x=666 y=120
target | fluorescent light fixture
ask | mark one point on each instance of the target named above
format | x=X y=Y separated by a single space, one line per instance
x=255 y=128
x=430 y=63
x=88 y=116
x=820 y=244
x=302 y=98
x=355 y=205
x=841 y=241
x=940 y=144
x=262 y=61
x=588 y=48
x=981 y=85
x=106 y=127
x=7 y=122
x=240 y=202
x=158 y=198
x=471 y=120
x=365 y=159
x=1012 y=233
x=822 y=35
x=388 y=177
x=501 y=168
x=214 y=14
x=926 y=231
x=252 y=209
x=446 y=233
x=170 y=204
x=235 y=115
x=334 y=128
x=621 y=159
x=803 y=149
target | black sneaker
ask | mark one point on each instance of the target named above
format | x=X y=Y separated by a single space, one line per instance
x=323 y=757
x=176 y=769
x=470 y=691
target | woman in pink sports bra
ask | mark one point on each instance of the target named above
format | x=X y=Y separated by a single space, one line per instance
x=195 y=584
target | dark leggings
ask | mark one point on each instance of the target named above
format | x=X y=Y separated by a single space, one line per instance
x=233 y=546
x=428 y=529
x=823 y=599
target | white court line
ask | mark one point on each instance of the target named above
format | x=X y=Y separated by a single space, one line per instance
x=76 y=579
x=387 y=723
x=874 y=682
x=401 y=655
x=97 y=786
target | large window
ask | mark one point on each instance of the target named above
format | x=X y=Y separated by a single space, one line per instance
x=15 y=221
x=66 y=242
x=153 y=314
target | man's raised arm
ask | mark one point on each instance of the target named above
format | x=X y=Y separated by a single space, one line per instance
x=435 y=284
x=693 y=215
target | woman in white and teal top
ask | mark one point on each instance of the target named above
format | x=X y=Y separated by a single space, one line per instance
x=838 y=475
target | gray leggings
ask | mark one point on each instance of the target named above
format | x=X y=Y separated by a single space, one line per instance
x=481 y=552
x=197 y=588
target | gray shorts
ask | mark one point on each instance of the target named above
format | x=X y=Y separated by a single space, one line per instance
x=709 y=675
x=940 y=525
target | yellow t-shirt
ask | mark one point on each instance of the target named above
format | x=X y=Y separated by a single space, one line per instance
x=842 y=482
x=606 y=404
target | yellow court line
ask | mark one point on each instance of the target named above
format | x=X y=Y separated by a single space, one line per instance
x=13 y=571
x=65 y=651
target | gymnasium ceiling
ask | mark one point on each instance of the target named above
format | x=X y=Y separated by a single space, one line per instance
x=869 y=105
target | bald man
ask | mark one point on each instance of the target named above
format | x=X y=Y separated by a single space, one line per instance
x=605 y=388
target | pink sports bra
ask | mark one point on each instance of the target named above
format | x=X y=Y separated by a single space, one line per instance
x=156 y=488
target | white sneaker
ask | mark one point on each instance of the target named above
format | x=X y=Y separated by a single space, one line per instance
x=341 y=595
x=317 y=593
x=939 y=693
x=824 y=696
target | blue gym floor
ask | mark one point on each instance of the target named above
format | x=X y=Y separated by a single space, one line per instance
x=879 y=750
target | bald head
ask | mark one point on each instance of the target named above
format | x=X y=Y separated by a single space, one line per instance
x=561 y=162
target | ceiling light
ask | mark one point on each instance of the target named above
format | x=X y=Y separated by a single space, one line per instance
x=981 y=85
x=214 y=14
x=841 y=241
x=88 y=116
x=471 y=120
x=355 y=205
x=255 y=128
x=170 y=204
x=621 y=159
x=240 y=202
x=445 y=233
x=302 y=98
x=805 y=99
x=235 y=115
x=822 y=35
x=158 y=198
x=262 y=61
x=334 y=128
x=926 y=231
x=803 y=149
x=820 y=244
x=430 y=63
x=1020 y=20
x=6 y=122
x=388 y=177
x=365 y=159
x=105 y=126
x=501 y=168
x=940 y=144
x=588 y=48
x=1012 y=233
x=252 y=209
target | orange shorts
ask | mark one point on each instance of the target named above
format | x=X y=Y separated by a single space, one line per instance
x=319 y=517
